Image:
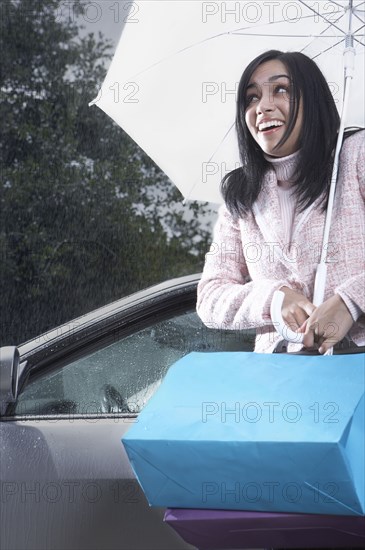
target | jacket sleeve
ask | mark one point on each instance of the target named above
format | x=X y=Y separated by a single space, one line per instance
x=227 y=298
x=352 y=291
x=353 y=294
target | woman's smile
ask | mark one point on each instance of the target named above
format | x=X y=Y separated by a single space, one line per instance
x=269 y=125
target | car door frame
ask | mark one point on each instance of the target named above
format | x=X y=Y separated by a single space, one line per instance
x=61 y=451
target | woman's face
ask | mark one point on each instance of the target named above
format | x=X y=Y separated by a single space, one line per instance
x=268 y=106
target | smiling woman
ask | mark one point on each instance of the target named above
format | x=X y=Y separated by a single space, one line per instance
x=287 y=125
x=268 y=110
x=287 y=87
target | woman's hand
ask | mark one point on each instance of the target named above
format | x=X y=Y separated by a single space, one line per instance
x=327 y=325
x=296 y=308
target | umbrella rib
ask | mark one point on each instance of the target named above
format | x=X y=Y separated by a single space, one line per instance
x=288 y=35
x=322 y=35
x=263 y=25
x=359 y=4
x=358 y=17
x=224 y=34
x=322 y=16
x=236 y=32
x=330 y=47
x=357 y=30
x=224 y=137
x=327 y=49
x=211 y=157
x=324 y=30
x=180 y=51
x=356 y=8
x=332 y=24
x=337 y=4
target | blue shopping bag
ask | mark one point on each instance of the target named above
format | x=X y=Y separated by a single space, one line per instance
x=248 y=431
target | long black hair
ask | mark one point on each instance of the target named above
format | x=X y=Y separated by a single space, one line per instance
x=241 y=187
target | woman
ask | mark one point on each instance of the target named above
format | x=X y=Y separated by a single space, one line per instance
x=269 y=233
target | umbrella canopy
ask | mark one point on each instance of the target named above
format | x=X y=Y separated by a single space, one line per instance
x=172 y=83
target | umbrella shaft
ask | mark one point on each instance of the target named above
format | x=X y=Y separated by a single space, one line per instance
x=321 y=274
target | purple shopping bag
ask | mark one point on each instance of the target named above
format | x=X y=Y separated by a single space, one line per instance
x=215 y=529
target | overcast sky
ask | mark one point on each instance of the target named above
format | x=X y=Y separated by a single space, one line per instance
x=107 y=16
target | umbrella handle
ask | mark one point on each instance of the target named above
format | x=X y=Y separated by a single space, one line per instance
x=278 y=321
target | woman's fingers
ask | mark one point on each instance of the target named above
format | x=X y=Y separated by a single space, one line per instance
x=322 y=326
x=326 y=345
x=291 y=321
x=296 y=308
x=311 y=333
x=328 y=324
x=308 y=307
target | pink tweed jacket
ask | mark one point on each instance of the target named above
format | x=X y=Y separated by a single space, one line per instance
x=249 y=259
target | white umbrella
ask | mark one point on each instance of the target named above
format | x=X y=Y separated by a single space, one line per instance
x=171 y=85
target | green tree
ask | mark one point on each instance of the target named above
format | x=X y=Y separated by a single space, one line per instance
x=81 y=224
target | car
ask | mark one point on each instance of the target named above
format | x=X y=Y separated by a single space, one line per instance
x=68 y=396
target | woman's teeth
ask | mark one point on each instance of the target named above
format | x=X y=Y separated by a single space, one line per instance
x=270 y=124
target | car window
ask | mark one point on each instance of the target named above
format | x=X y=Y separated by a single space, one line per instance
x=122 y=376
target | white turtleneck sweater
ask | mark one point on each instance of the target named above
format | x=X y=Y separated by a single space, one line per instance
x=284 y=168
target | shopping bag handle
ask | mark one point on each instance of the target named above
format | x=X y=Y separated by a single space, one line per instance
x=275 y=311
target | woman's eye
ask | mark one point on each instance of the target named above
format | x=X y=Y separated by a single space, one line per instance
x=251 y=98
x=281 y=90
